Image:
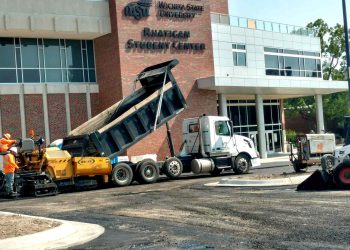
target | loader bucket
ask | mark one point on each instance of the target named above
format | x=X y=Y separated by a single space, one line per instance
x=319 y=180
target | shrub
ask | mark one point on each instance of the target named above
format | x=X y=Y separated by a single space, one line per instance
x=291 y=136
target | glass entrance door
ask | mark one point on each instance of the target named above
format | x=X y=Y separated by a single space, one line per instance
x=270 y=145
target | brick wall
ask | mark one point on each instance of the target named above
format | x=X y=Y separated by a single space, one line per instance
x=34 y=114
x=95 y=104
x=219 y=6
x=57 y=116
x=10 y=115
x=118 y=66
x=78 y=109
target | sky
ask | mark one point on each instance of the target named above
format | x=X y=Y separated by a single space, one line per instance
x=294 y=12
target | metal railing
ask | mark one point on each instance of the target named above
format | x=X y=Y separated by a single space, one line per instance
x=261 y=25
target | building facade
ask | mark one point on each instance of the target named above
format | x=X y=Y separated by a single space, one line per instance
x=62 y=62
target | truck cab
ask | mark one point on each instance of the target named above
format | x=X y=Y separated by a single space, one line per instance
x=211 y=139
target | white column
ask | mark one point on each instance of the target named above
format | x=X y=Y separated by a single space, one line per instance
x=88 y=101
x=46 y=115
x=67 y=104
x=261 y=126
x=22 y=111
x=319 y=114
x=222 y=105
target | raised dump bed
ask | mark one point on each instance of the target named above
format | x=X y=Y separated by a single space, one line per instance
x=128 y=121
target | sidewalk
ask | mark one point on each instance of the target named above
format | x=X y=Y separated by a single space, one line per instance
x=68 y=234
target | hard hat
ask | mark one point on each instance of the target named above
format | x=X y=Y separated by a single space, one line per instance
x=7 y=136
x=13 y=149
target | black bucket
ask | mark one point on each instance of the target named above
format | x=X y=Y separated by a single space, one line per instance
x=319 y=180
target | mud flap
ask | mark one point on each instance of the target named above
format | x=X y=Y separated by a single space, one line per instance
x=319 y=180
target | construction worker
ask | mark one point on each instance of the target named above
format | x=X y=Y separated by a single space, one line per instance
x=10 y=167
x=6 y=142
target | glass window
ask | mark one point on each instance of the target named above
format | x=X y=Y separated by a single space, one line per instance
x=266 y=49
x=318 y=65
x=267 y=114
x=31 y=75
x=90 y=51
x=234 y=115
x=291 y=63
x=272 y=72
x=241 y=46
x=251 y=113
x=310 y=64
x=8 y=76
x=243 y=114
x=92 y=76
x=271 y=62
x=54 y=75
x=289 y=51
x=75 y=75
x=260 y=25
x=243 y=22
x=52 y=53
x=7 y=53
x=74 y=59
x=275 y=113
x=222 y=128
x=30 y=58
x=239 y=58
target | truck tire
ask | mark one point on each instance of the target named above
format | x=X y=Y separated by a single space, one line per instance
x=147 y=172
x=341 y=176
x=216 y=172
x=122 y=175
x=242 y=164
x=298 y=167
x=172 y=168
x=327 y=163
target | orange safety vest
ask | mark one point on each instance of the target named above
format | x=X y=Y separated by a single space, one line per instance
x=9 y=164
x=6 y=144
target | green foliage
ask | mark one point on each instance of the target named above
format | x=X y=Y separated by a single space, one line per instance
x=291 y=136
x=336 y=105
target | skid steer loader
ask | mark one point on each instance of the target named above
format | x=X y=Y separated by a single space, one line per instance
x=335 y=173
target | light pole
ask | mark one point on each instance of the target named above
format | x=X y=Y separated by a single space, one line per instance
x=346 y=45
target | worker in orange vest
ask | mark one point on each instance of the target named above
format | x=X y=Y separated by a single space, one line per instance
x=6 y=142
x=10 y=167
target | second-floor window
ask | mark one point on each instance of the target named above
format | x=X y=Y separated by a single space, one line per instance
x=283 y=62
x=239 y=55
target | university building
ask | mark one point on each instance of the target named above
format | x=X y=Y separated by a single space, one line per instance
x=62 y=62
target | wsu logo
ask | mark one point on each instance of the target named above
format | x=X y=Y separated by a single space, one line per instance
x=138 y=9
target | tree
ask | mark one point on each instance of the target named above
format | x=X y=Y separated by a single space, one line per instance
x=334 y=67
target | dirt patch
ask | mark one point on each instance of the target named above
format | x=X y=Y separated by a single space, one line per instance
x=18 y=225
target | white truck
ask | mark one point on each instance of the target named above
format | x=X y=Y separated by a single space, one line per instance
x=209 y=146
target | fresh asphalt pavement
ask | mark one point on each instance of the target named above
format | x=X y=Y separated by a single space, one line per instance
x=185 y=214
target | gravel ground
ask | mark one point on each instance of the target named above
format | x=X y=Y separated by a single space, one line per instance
x=17 y=225
x=185 y=214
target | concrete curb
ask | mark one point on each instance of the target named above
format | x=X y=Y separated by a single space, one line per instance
x=230 y=182
x=68 y=234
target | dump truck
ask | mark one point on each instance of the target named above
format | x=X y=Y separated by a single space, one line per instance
x=93 y=154
x=89 y=152
x=335 y=172
x=310 y=149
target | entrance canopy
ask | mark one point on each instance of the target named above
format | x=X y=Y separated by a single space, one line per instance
x=270 y=87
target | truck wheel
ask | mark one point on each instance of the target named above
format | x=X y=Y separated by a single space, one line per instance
x=299 y=166
x=342 y=175
x=216 y=172
x=172 y=168
x=122 y=174
x=242 y=164
x=327 y=163
x=147 y=172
